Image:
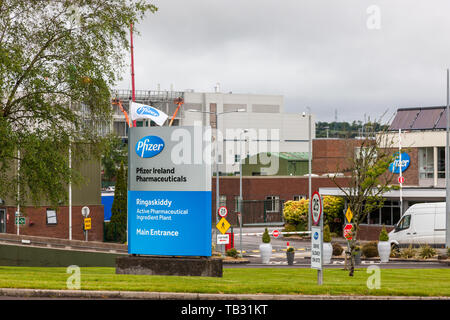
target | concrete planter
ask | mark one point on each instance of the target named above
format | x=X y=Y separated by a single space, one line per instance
x=327 y=252
x=266 y=252
x=384 y=250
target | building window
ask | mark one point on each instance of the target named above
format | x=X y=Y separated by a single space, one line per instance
x=387 y=215
x=441 y=162
x=51 y=216
x=272 y=204
x=299 y=197
x=426 y=163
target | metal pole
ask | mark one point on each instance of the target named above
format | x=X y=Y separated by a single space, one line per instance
x=222 y=247
x=18 y=192
x=309 y=166
x=240 y=200
x=447 y=170
x=70 y=191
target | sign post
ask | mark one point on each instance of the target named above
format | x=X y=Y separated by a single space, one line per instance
x=316 y=208
x=87 y=221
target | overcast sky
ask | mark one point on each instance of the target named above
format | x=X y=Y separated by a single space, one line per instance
x=359 y=57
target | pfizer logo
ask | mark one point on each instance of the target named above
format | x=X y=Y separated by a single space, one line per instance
x=147 y=110
x=400 y=165
x=316 y=235
x=149 y=146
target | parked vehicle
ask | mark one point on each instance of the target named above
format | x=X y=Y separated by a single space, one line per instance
x=422 y=223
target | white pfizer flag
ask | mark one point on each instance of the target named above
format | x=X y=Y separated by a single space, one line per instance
x=141 y=111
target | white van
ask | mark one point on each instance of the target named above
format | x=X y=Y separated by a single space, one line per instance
x=422 y=223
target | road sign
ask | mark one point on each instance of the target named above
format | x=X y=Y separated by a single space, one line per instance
x=87 y=224
x=316 y=208
x=85 y=212
x=223 y=225
x=275 y=233
x=20 y=221
x=223 y=239
x=316 y=248
x=223 y=211
x=401 y=179
x=348 y=231
x=349 y=214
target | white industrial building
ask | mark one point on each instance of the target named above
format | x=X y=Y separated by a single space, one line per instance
x=255 y=121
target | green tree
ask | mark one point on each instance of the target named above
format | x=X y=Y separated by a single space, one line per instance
x=58 y=59
x=369 y=179
x=115 y=153
x=117 y=227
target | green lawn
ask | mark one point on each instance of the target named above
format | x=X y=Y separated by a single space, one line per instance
x=426 y=282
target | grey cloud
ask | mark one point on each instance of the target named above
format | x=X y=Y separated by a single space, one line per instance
x=316 y=53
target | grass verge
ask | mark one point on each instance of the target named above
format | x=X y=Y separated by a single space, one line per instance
x=398 y=282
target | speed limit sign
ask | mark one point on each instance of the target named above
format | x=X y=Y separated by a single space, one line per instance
x=223 y=211
x=316 y=208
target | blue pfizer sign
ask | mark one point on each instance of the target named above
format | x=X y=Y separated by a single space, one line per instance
x=169 y=195
x=147 y=111
x=149 y=146
x=400 y=166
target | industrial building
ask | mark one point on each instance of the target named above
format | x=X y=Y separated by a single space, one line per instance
x=248 y=124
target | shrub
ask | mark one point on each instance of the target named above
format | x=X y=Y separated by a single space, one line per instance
x=356 y=250
x=301 y=226
x=296 y=212
x=426 y=252
x=407 y=253
x=395 y=252
x=370 y=249
x=337 y=249
x=232 y=253
x=288 y=228
x=448 y=252
x=266 y=236
x=290 y=249
x=326 y=234
x=383 y=235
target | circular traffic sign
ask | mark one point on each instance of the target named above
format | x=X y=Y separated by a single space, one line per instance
x=401 y=179
x=223 y=211
x=316 y=208
x=275 y=233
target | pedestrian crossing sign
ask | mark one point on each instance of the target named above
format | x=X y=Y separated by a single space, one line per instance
x=223 y=225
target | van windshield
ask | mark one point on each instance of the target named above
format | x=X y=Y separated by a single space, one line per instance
x=404 y=223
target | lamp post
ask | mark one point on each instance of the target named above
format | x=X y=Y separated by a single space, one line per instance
x=216 y=114
x=309 y=162
x=447 y=168
x=240 y=195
